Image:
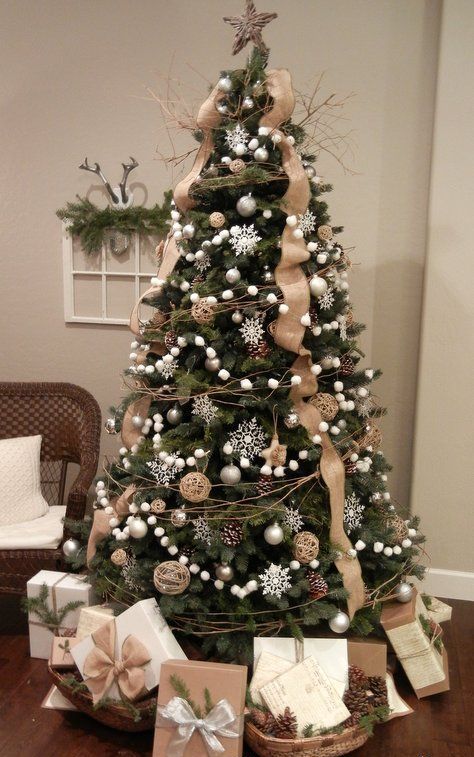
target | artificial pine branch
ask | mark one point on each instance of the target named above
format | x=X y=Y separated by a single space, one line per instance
x=39 y=606
x=182 y=691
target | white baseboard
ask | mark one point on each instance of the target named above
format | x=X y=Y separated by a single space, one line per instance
x=450 y=584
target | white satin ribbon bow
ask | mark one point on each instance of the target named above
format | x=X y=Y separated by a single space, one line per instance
x=221 y=721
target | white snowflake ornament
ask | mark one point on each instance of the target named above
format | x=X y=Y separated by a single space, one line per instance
x=244 y=239
x=164 y=472
x=202 y=530
x=248 y=440
x=307 y=222
x=203 y=263
x=204 y=408
x=237 y=136
x=275 y=580
x=166 y=369
x=353 y=512
x=252 y=331
x=292 y=519
x=326 y=301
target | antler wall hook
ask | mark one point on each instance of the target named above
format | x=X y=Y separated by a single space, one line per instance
x=118 y=195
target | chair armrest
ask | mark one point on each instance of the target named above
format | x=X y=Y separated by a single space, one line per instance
x=77 y=498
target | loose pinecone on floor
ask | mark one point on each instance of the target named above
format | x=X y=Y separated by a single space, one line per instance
x=286 y=725
x=231 y=533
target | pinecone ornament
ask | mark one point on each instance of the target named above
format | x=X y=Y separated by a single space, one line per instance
x=378 y=687
x=260 y=350
x=357 y=678
x=347 y=366
x=350 y=467
x=264 y=484
x=286 y=725
x=231 y=533
x=171 y=339
x=313 y=314
x=317 y=585
x=186 y=551
x=263 y=719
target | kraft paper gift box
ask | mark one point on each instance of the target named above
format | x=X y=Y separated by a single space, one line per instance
x=224 y=682
x=62 y=589
x=439 y=611
x=426 y=668
x=330 y=653
x=140 y=639
x=368 y=654
x=61 y=656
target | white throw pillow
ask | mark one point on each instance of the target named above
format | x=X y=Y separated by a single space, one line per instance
x=20 y=482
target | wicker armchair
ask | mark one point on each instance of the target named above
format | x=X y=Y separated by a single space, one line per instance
x=69 y=420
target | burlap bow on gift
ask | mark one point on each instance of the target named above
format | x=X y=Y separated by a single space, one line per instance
x=221 y=721
x=102 y=668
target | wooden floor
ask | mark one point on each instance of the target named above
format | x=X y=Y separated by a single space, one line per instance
x=440 y=726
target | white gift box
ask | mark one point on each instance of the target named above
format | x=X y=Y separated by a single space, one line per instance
x=144 y=621
x=62 y=589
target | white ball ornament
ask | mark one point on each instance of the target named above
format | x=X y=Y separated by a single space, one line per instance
x=251 y=585
x=253 y=144
x=244 y=462
x=240 y=149
x=138 y=528
x=138 y=421
x=246 y=206
x=233 y=276
x=388 y=551
x=227 y=294
x=227 y=448
x=230 y=475
x=194 y=568
x=266 y=470
x=205 y=576
x=378 y=546
x=340 y=623
x=283 y=309
x=406 y=543
x=246 y=384
x=295 y=565
x=273 y=534
x=261 y=155
x=223 y=374
x=305 y=320
x=263 y=131
x=360 y=545
x=272 y=383
x=403 y=592
x=279 y=471
x=252 y=290
x=314 y=564
x=298 y=234
x=225 y=84
x=292 y=221
x=397 y=550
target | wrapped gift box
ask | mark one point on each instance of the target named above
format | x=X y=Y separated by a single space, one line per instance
x=62 y=589
x=425 y=666
x=142 y=626
x=223 y=682
x=368 y=654
x=439 y=611
x=61 y=656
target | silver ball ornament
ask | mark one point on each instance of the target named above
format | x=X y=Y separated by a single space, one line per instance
x=174 y=415
x=213 y=364
x=179 y=517
x=138 y=421
x=71 y=547
x=225 y=84
x=247 y=103
x=318 y=286
x=212 y=171
x=230 y=475
x=237 y=317
x=246 y=206
x=403 y=592
x=222 y=109
x=340 y=623
x=233 y=276
x=273 y=534
x=224 y=572
x=292 y=420
x=268 y=276
x=109 y=426
x=310 y=171
x=261 y=155
x=137 y=528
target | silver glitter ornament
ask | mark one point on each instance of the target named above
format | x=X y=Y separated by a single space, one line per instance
x=71 y=547
x=247 y=103
x=213 y=364
x=310 y=171
x=237 y=317
x=222 y=109
x=224 y=572
x=246 y=206
x=268 y=276
x=292 y=420
x=233 y=276
x=230 y=475
x=261 y=155
x=273 y=534
x=340 y=623
x=179 y=517
x=109 y=426
x=174 y=415
x=403 y=592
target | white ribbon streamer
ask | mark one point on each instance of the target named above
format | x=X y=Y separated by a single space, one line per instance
x=221 y=721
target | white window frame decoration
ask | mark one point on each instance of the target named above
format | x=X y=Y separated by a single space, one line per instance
x=105 y=274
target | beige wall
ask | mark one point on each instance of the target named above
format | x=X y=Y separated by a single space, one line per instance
x=72 y=80
x=443 y=478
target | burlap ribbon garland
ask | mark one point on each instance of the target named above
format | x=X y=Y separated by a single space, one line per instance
x=101 y=523
x=102 y=667
x=289 y=331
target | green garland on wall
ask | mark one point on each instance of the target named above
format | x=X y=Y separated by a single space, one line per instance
x=90 y=223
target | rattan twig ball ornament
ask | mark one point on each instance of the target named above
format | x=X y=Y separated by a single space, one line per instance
x=203 y=311
x=217 y=219
x=371 y=436
x=399 y=527
x=195 y=487
x=119 y=557
x=305 y=547
x=324 y=233
x=157 y=506
x=237 y=165
x=327 y=405
x=171 y=577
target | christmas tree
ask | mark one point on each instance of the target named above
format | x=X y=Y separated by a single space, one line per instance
x=250 y=496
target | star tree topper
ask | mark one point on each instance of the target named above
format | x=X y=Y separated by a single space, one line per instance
x=249 y=27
